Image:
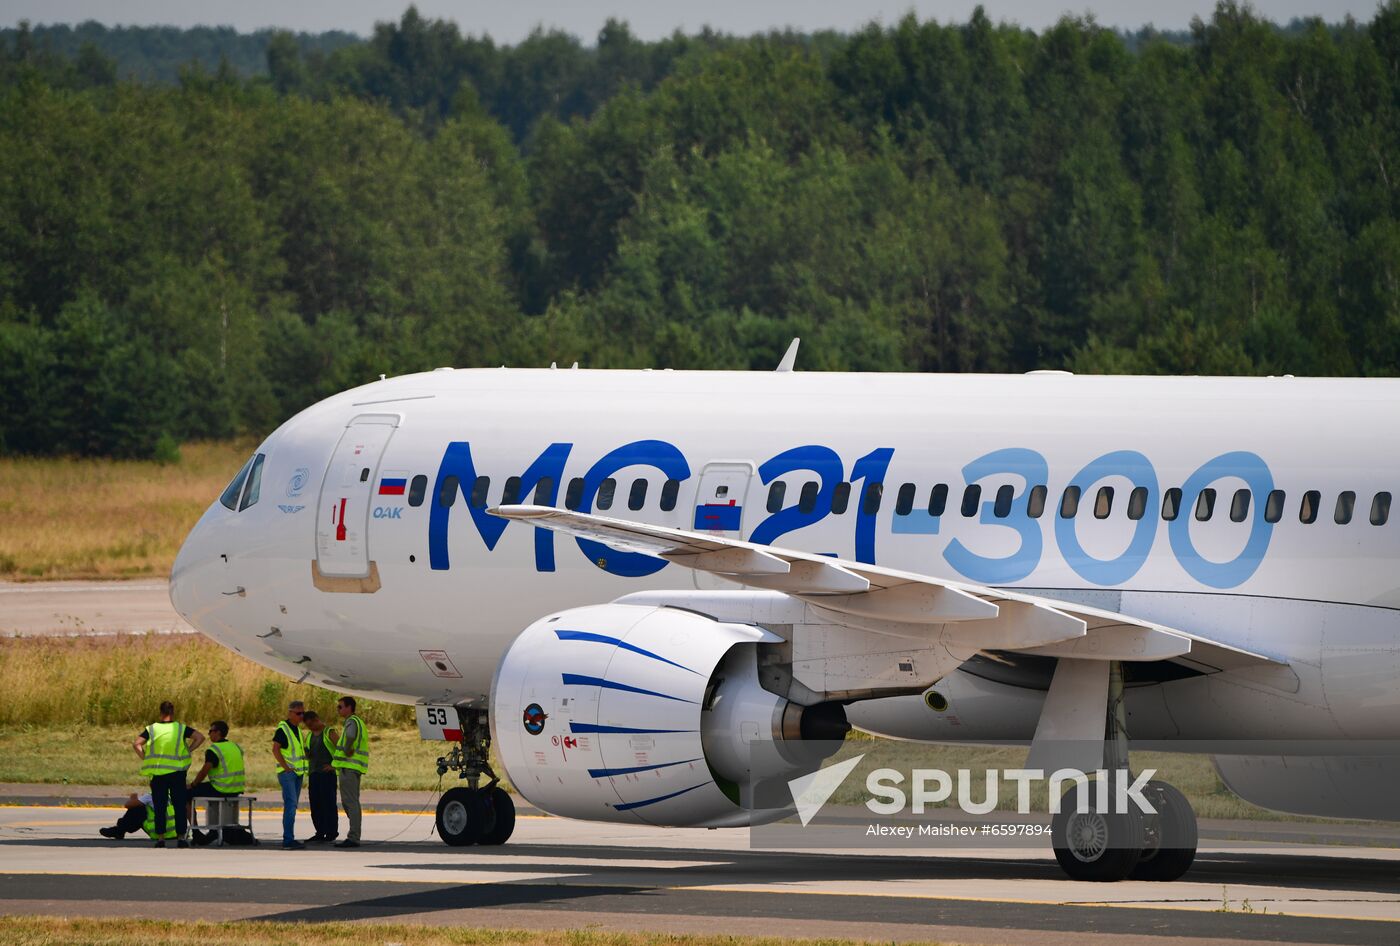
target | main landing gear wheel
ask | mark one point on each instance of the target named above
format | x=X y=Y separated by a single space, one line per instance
x=461 y=817
x=1093 y=845
x=1169 y=845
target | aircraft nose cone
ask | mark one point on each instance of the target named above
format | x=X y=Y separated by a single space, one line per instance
x=190 y=563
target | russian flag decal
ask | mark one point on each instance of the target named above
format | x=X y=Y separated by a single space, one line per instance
x=394 y=483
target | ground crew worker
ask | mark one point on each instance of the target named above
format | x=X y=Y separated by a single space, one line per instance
x=164 y=750
x=289 y=750
x=320 y=781
x=140 y=816
x=351 y=761
x=223 y=766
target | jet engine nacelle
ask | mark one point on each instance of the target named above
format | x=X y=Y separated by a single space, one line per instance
x=648 y=714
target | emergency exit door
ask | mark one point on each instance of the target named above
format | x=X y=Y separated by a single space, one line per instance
x=720 y=505
x=347 y=494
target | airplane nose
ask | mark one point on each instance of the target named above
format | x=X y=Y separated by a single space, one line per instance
x=192 y=560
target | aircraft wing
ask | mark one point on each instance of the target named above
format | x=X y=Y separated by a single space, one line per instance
x=904 y=604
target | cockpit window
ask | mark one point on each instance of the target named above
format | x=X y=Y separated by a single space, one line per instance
x=250 y=495
x=235 y=486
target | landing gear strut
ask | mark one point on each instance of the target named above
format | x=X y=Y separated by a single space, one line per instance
x=474 y=813
x=1112 y=844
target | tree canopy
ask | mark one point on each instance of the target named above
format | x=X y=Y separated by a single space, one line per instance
x=204 y=256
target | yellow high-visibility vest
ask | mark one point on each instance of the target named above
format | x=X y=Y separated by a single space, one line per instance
x=227 y=776
x=355 y=757
x=295 y=752
x=165 y=750
x=150 y=826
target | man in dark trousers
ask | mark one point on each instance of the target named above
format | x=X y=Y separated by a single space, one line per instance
x=320 y=785
x=165 y=748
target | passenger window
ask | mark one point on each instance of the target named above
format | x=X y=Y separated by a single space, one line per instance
x=543 y=490
x=637 y=498
x=870 y=500
x=606 y=490
x=1380 y=509
x=938 y=500
x=1239 y=506
x=1035 y=503
x=574 y=494
x=776 y=493
x=904 y=502
x=1346 y=504
x=1137 y=503
x=511 y=494
x=840 y=498
x=480 y=488
x=1307 y=511
x=1069 y=502
x=972 y=496
x=1273 y=506
x=1171 y=504
x=1103 y=502
x=417 y=489
x=669 y=489
x=1002 y=507
x=448 y=494
x=235 y=486
x=807 y=501
x=1205 y=505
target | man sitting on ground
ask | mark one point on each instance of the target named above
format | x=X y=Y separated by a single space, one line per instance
x=140 y=816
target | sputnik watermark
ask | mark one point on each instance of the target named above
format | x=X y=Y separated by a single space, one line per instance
x=1113 y=790
x=930 y=787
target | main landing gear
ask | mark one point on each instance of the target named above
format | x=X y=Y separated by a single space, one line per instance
x=1120 y=842
x=474 y=813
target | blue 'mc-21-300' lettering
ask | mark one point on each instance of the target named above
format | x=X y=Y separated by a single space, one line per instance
x=543 y=477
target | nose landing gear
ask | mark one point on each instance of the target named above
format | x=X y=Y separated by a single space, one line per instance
x=474 y=813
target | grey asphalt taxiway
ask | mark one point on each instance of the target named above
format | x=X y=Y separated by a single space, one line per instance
x=558 y=874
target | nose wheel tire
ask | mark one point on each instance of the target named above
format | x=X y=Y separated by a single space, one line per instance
x=461 y=817
x=1171 y=836
x=1095 y=845
x=501 y=816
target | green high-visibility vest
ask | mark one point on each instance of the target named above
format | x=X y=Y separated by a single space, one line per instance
x=227 y=776
x=354 y=757
x=150 y=826
x=165 y=750
x=295 y=753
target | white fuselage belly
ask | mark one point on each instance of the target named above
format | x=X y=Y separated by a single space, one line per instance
x=1320 y=596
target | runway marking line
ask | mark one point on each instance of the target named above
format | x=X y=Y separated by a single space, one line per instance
x=1165 y=905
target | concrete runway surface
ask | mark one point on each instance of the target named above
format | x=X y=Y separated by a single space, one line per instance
x=565 y=874
x=88 y=607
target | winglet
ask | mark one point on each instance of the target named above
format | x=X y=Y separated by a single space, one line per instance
x=789 y=357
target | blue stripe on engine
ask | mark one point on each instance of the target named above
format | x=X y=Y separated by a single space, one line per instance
x=604 y=639
x=578 y=679
x=651 y=801
x=609 y=773
x=594 y=727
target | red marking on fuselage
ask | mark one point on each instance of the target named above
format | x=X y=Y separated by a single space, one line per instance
x=340 y=528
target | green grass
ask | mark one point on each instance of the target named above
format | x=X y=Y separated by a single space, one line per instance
x=55 y=931
x=120 y=680
x=101 y=755
x=97 y=518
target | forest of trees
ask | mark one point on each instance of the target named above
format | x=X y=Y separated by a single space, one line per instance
x=204 y=255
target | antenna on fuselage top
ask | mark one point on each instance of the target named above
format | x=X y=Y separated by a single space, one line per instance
x=789 y=357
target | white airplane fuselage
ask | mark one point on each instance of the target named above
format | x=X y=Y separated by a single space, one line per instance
x=283 y=581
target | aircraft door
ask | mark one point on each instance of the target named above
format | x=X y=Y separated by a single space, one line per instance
x=720 y=503
x=347 y=493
